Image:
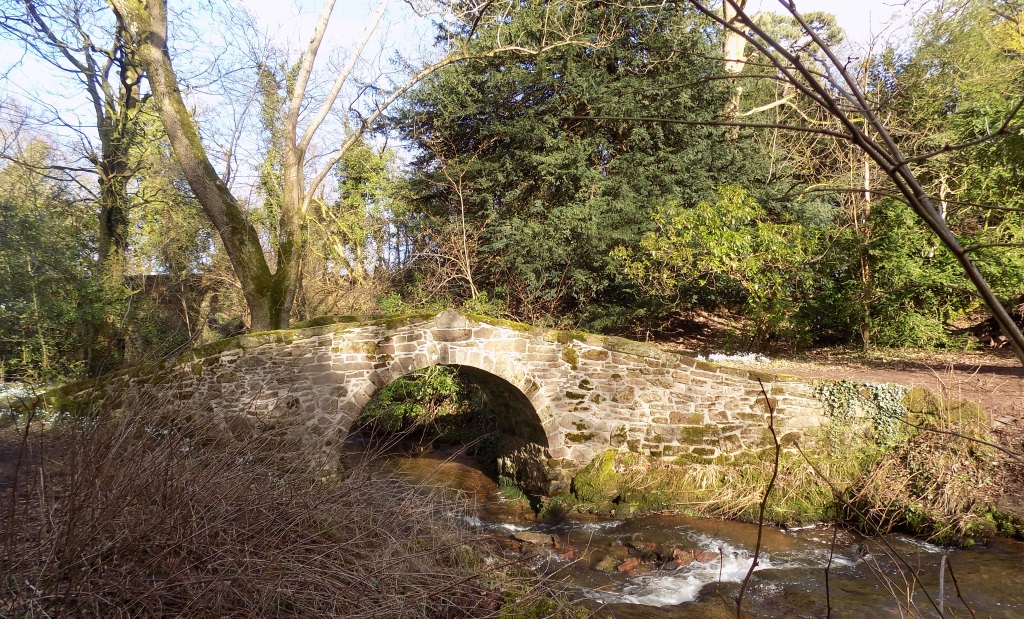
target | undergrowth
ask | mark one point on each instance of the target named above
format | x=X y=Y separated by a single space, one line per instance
x=438 y=406
x=147 y=516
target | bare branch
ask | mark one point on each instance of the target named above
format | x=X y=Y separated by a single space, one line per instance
x=342 y=77
x=306 y=66
x=1004 y=129
x=716 y=123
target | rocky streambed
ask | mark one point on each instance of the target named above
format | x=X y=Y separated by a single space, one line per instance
x=661 y=566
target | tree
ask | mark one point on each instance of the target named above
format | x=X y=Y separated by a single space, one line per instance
x=824 y=78
x=838 y=92
x=729 y=247
x=79 y=39
x=50 y=295
x=546 y=199
x=270 y=290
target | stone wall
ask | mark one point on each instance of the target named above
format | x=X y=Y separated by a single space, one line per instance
x=564 y=397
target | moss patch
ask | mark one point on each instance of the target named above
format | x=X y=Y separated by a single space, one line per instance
x=569 y=356
x=598 y=482
x=333 y=319
x=578 y=437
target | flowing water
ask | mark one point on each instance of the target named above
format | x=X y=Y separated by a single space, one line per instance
x=868 y=578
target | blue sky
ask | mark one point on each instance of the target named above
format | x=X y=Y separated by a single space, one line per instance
x=860 y=18
x=292 y=20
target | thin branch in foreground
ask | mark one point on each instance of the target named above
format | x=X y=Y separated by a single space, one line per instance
x=838 y=496
x=1014 y=455
x=715 y=123
x=1004 y=129
x=764 y=502
x=956 y=585
x=828 y=569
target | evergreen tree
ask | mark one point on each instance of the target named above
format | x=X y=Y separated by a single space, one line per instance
x=549 y=197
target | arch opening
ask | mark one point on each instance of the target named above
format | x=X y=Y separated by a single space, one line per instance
x=449 y=404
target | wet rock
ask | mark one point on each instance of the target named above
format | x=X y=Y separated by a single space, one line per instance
x=607 y=564
x=618 y=551
x=682 y=557
x=628 y=565
x=641 y=546
x=537 y=539
x=703 y=556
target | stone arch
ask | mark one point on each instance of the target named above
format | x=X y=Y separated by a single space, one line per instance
x=524 y=437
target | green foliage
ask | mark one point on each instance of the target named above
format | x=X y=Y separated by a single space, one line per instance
x=274 y=87
x=483 y=305
x=438 y=404
x=598 y=482
x=918 y=286
x=546 y=198
x=521 y=605
x=170 y=234
x=417 y=399
x=360 y=231
x=957 y=83
x=392 y=304
x=51 y=295
x=882 y=405
x=728 y=248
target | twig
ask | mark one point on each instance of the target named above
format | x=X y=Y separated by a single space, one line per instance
x=828 y=568
x=1014 y=455
x=956 y=585
x=942 y=582
x=30 y=404
x=715 y=123
x=839 y=500
x=764 y=502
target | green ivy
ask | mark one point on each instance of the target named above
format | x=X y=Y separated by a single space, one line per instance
x=881 y=403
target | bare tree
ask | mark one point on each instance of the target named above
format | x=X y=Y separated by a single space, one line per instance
x=80 y=40
x=270 y=286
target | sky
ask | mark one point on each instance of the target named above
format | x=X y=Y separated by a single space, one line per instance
x=860 y=18
x=292 y=20
x=289 y=23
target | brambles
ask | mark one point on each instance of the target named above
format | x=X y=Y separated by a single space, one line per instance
x=140 y=517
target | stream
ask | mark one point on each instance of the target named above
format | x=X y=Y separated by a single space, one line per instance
x=664 y=566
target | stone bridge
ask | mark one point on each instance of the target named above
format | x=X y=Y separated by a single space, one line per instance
x=561 y=397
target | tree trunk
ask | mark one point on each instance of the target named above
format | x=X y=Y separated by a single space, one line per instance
x=268 y=295
x=113 y=218
x=733 y=48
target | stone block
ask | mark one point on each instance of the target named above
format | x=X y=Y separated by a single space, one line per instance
x=686 y=418
x=730 y=443
x=452 y=335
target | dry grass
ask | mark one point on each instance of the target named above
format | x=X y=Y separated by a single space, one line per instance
x=934 y=483
x=735 y=490
x=126 y=519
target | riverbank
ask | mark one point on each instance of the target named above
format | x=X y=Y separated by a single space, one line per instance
x=663 y=566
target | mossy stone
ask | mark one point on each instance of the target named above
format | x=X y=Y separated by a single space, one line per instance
x=598 y=482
